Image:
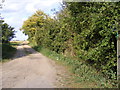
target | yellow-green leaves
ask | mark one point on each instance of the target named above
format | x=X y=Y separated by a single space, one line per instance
x=86 y=29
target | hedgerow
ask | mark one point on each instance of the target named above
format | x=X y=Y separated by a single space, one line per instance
x=86 y=30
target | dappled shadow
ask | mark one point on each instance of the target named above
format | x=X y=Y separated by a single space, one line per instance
x=38 y=48
x=23 y=50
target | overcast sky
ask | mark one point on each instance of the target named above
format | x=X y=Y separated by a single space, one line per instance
x=15 y=12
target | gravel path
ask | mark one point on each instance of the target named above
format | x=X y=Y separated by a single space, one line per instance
x=30 y=69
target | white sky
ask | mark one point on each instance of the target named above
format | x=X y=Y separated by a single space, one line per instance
x=17 y=11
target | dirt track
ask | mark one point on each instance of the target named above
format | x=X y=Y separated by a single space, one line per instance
x=30 y=69
x=118 y=54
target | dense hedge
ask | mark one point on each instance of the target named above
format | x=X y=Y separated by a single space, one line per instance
x=83 y=29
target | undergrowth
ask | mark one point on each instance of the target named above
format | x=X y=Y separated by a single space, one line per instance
x=8 y=50
x=82 y=72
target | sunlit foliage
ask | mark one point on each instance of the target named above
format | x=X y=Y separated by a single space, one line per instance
x=86 y=30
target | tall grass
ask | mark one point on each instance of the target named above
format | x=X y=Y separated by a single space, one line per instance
x=82 y=72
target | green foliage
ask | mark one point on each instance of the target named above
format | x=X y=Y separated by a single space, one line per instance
x=95 y=27
x=7 y=32
x=34 y=24
x=86 y=30
x=82 y=73
x=7 y=51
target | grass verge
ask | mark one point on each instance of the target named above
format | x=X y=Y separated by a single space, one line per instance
x=8 y=51
x=83 y=75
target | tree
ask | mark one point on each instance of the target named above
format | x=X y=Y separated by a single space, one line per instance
x=34 y=24
x=7 y=32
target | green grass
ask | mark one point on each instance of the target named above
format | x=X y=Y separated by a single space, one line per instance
x=14 y=44
x=83 y=75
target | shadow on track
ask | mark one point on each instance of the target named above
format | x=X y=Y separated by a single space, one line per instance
x=23 y=50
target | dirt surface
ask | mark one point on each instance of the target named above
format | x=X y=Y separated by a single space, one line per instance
x=118 y=55
x=30 y=69
x=0 y=76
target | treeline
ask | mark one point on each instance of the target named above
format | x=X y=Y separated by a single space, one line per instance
x=7 y=33
x=86 y=30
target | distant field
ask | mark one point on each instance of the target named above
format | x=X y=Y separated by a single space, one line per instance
x=20 y=42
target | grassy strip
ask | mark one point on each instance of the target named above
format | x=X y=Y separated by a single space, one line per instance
x=14 y=44
x=8 y=50
x=84 y=74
